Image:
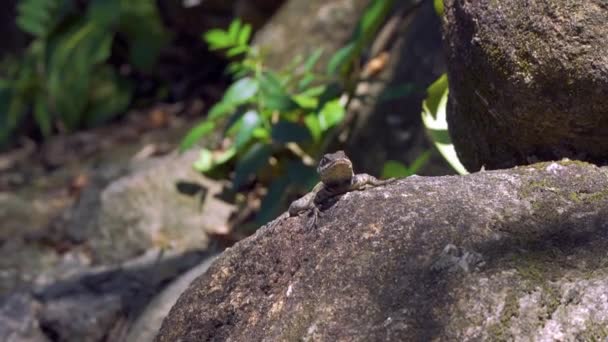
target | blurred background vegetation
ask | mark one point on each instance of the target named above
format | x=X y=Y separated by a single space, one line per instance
x=73 y=65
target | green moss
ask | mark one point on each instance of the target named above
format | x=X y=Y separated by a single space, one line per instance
x=594 y=197
x=500 y=330
x=551 y=299
x=546 y=184
x=594 y=332
x=536 y=272
x=574 y=197
x=299 y=324
x=568 y=162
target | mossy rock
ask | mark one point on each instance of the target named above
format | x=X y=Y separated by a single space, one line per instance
x=528 y=81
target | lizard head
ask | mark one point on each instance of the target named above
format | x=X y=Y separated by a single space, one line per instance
x=335 y=168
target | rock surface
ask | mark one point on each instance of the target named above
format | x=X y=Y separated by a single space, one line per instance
x=507 y=255
x=301 y=27
x=95 y=305
x=162 y=203
x=528 y=81
x=90 y=273
x=145 y=328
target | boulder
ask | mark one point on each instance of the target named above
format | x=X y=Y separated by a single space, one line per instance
x=510 y=255
x=528 y=81
x=160 y=203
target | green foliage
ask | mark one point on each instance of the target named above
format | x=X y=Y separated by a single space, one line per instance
x=438 y=5
x=373 y=17
x=264 y=107
x=265 y=113
x=235 y=39
x=434 y=119
x=63 y=76
x=396 y=169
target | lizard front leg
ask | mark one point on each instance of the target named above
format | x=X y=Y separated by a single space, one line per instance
x=363 y=180
x=305 y=202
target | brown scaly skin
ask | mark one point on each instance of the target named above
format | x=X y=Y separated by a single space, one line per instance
x=337 y=178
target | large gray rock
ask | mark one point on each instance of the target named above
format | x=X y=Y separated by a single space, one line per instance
x=99 y=304
x=528 y=80
x=18 y=322
x=503 y=255
x=161 y=203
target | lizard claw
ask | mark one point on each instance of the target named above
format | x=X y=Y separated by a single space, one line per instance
x=312 y=223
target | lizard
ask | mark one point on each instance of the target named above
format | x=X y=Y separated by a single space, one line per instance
x=337 y=177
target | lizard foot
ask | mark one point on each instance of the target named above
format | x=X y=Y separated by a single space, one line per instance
x=314 y=219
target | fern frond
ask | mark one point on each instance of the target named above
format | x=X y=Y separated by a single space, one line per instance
x=39 y=17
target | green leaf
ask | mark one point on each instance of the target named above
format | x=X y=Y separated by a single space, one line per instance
x=306 y=102
x=248 y=165
x=42 y=115
x=220 y=109
x=434 y=120
x=234 y=30
x=273 y=94
x=145 y=32
x=208 y=160
x=5 y=98
x=312 y=60
x=306 y=81
x=237 y=50
x=421 y=161
x=435 y=92
x=12 y=110
x=438 y=4
x=241 y=91
x=244 y=35
x=217 y=39
x=250 y=120
x=394 y=168
x=262 y=134
x=372 y=19
x=314 y=127
x=341 y=58
x=39 y=17
x=331 y=114
x=204 y=163
x=73 y=55
x=225 y=156
x=104 y=12
x=315 y=91
x=235 y=121
x=109 y=95
x=80 y=47
x=309 y=98
x=332 y=92
x=196 y=133
x=32 y=26
x=286 y=131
